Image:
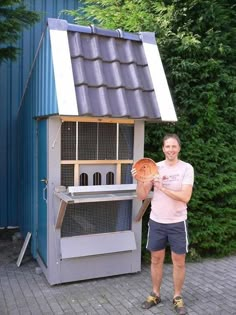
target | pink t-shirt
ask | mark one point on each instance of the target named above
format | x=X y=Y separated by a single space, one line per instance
x=165 y=209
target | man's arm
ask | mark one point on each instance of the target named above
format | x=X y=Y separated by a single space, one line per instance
x=143 y=189
x=183 y=195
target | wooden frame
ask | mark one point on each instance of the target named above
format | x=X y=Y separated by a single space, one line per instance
x=77 y=164
x=97 y=119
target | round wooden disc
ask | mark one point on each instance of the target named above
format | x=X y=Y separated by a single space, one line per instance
x=146 y=169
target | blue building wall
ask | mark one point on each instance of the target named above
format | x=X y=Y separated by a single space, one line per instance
x=26 y=197
x=39 y=239
x=13 y=78
x=39 y=99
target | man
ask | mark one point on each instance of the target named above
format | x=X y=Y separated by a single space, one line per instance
x=172 y=190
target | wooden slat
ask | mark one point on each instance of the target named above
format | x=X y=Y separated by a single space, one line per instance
x=90 y=162
x=118 y=173
x=61 y=214
x=143 y=209
x=98 y=120
x=76 y=174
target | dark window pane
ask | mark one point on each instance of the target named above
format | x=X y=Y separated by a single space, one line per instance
x=106 y=141
x=68 y=141
x=126 y=142
x=126 y=177
x=87 y=141
x=67 y=175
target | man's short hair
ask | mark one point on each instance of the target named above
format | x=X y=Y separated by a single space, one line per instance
x=172 y=135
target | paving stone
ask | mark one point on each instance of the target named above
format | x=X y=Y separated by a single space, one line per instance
x=209 y=289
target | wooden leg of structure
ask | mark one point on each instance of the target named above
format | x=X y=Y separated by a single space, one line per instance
x=143 y=209
x=61 y=213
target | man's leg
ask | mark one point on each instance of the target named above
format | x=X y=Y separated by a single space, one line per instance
x=157 y=260
x=178 y=272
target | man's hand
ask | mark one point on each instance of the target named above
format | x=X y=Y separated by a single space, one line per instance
x=134 y=172
x=157 y=182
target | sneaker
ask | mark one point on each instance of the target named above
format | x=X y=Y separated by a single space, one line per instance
x=151 y=300
x=179 y=305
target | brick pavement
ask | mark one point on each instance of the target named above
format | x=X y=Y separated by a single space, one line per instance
x=210 y=288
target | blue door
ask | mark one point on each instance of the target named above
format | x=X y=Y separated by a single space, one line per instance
x=42 y=190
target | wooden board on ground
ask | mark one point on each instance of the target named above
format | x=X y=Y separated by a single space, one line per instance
x=23 y=249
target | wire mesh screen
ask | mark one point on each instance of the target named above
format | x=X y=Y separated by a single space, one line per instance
x=126 y=177
x=107 y=141
x=87 y=141
x=96 y=141
x=67 y=175
x=97 y=217
x=68 y=141
x=126 y=142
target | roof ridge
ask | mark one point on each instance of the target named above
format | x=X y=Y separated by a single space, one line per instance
x=60 y=24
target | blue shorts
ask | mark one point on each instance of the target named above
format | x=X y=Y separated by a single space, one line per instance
x=174 y=234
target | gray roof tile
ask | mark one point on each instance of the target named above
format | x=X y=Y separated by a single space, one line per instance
x=111 y=75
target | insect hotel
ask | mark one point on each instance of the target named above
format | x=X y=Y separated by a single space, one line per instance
x=81 y=121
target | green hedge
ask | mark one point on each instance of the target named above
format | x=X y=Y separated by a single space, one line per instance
x=197 y=43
